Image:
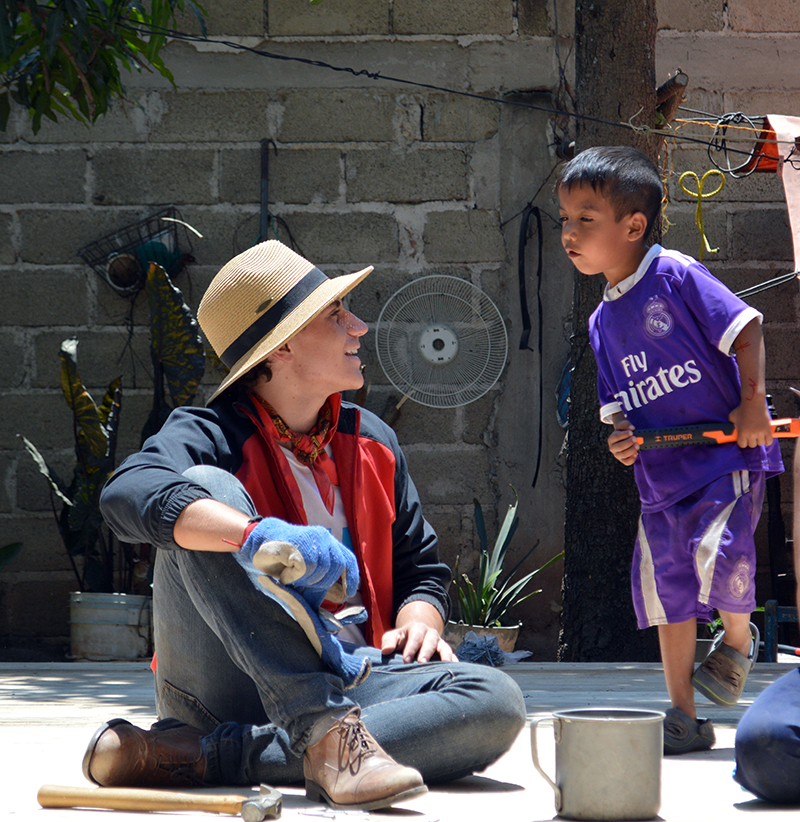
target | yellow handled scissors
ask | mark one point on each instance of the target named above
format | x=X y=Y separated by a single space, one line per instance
x=700 y=196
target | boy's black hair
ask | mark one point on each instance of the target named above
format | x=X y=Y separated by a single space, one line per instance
x=625 y=176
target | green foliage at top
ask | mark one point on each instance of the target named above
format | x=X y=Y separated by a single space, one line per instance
x=69 y=57
x=488 y=599
x=95 y=437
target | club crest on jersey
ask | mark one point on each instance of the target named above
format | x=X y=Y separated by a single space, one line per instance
x=658 y=322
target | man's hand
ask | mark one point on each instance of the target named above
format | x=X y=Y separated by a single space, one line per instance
x=418 y=634
x=622 y=442
x=752 y=424
x=418 y=642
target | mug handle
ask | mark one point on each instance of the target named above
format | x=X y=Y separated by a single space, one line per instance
x=535 y=757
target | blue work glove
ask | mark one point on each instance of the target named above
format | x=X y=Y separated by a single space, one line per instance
x=319 y=627
x=307 y=557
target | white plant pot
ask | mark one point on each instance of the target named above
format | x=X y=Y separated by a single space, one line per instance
x=110 y=626
x=454 y=633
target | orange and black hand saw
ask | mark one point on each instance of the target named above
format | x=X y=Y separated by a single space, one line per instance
x=713 y=433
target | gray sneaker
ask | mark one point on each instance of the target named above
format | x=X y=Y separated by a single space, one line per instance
x=682 y=734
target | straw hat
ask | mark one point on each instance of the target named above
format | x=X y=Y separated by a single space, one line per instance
x=261 y=299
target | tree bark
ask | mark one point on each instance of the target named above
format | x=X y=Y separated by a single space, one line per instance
x=615 y=83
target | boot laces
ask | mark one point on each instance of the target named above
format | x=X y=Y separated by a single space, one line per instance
x=355 y=743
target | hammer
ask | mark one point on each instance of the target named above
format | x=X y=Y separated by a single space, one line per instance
x=267 y=805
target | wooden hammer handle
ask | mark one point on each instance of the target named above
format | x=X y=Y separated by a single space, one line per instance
x=136 y=799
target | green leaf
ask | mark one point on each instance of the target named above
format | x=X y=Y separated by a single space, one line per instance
x=46 y=471
x=92 y=439
x=55 y=22
x=8 y=552
x=175 y=337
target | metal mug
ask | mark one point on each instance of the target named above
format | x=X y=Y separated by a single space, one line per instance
x=608 y=762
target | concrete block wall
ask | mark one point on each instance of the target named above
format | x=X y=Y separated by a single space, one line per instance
x=363 y=171
x=398 y=171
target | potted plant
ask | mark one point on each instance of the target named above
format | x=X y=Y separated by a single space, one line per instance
x=110 y=613
x=484 y=603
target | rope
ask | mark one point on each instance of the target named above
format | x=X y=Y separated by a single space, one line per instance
x=701 y=181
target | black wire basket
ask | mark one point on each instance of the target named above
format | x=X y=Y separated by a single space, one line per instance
x=123 y=257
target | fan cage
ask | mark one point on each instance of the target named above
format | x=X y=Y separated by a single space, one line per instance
x=122 y=258
x=414 y=314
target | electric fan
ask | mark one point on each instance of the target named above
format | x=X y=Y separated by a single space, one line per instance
x=441 y=341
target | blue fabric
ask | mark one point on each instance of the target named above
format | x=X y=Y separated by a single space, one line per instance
x=325 y=557
x=326 y=561
x=768 y=743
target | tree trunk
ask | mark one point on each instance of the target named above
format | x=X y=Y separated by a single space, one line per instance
x=615 y=78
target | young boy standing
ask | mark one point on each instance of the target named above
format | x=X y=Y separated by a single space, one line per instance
x=675 y=347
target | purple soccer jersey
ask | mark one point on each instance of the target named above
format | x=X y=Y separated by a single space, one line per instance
x=662 y=340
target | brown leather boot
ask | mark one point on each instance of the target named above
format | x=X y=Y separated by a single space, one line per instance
x=348 y=769
x=120 y=754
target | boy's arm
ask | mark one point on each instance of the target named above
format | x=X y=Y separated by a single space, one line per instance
x=622 y=442
x=751 y=417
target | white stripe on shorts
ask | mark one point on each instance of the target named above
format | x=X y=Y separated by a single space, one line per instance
x=652 y=603
x=706 y=556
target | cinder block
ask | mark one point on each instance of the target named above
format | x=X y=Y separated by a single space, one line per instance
x=762 y=100
x=125 y=122
x=448 y=117
x=686 y=15
x=336 y=116
x=196 y=116
x=33 y=489
x=448 y=526
x=463 y=236
x=43 y=297
x=295 y=175
x=136 y=407
x=7 y=255
x=238 y=17
x=40 y=608
x=368 y=300
x=333 y=17
x=443 y=17
x=394 y=176
x=227 y=231
x=421 y=424
x=8 y=467
x=355 y=239
x=781 y=15
x=761 y=234
x=449 y=477
x=42 y=548
x=533 y=19
x=44 y=419
x=12 y=373
x=683 y=234
x=43 y=176
x=103 y=355
x=782 y=345
x=149 y=176
x=778 y=304
x=477 y=421
x=53 y=236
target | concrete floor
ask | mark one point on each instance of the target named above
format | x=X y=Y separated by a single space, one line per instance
x=48 y=712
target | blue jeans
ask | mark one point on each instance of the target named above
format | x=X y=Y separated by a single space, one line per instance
x=768 y=743
x=232 y=662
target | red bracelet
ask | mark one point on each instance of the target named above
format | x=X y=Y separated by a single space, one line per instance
x=248 y=529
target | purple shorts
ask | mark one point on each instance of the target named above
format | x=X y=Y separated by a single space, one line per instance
x=699 y=554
